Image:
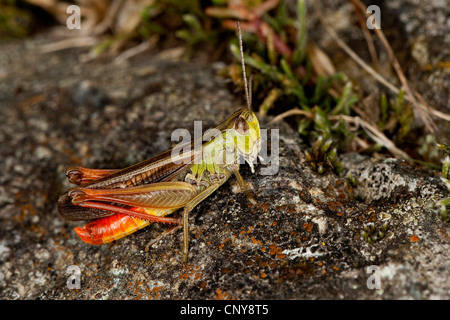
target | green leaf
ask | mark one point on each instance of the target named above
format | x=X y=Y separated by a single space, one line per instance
x=446 y=168
x=346 y=101
x=301 y=48
x=193 y=22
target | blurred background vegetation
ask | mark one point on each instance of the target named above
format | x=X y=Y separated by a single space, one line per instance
x=293 y=78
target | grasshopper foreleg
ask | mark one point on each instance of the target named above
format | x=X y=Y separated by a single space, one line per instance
x=202 y=196
x=188 y=208
x=244 y=187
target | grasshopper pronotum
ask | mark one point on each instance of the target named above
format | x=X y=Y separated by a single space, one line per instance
x=123 y=201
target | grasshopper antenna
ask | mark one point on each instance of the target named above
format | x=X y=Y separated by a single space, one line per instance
x=247 y=91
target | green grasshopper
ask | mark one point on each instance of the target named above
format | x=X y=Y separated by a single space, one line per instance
x=120 y=202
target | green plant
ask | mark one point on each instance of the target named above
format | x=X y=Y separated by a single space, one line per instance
x=373 y=232
x=443 y=205
x=15 y=22
x=396 y=116
x=196 y=33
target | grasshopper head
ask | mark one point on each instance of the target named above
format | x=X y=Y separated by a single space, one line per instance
x=245 y=127
x=247 y=135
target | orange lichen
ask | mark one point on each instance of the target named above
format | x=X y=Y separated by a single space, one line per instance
x=308 y=226
x=414 y=238
x=256 y=241
x=280 y=256
x=183 y=276
x=273 y=249
x=220 y=295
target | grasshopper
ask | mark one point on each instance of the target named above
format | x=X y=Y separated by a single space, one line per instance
x=120 y=202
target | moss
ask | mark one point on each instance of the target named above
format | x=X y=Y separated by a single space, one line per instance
x=14 y=22
x=373 y=232
x=443 y=205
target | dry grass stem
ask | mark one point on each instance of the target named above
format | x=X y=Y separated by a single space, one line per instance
x=429 y=123
x=367 y=36
x=422 y=104
x=372 y=131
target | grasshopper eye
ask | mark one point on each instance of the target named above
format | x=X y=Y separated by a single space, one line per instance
x=241 y=126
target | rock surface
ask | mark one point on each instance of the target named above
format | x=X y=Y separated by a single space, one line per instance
x=309 y=237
